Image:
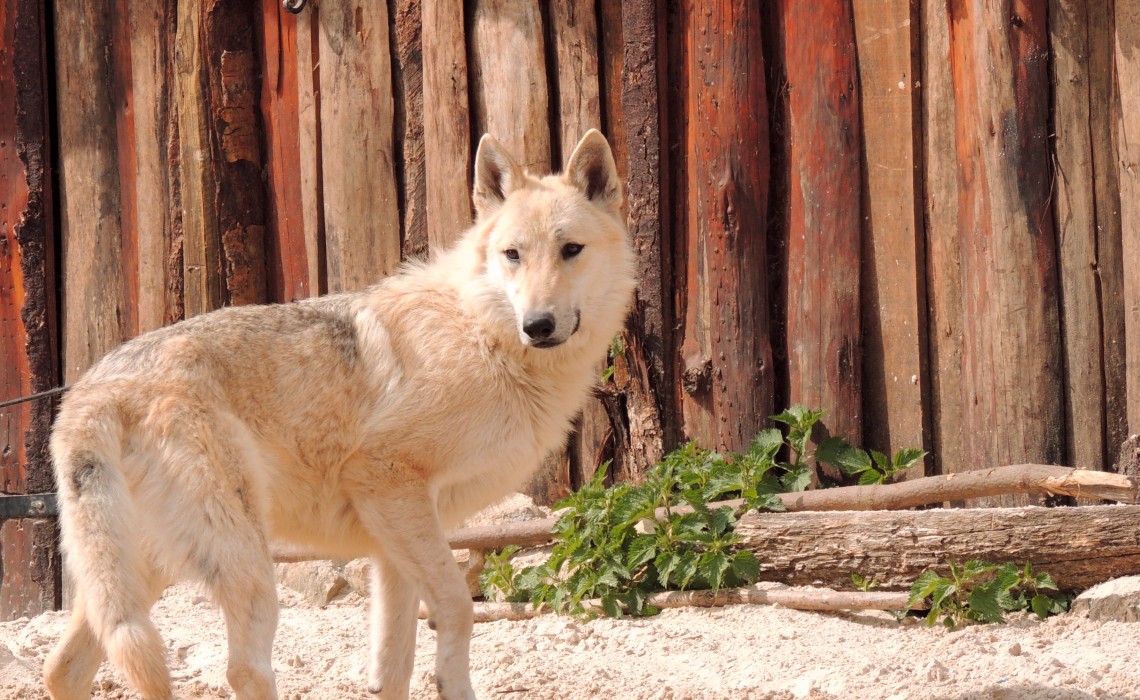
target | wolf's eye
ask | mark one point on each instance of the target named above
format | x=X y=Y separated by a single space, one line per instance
x=570 y=250
x=512 y=254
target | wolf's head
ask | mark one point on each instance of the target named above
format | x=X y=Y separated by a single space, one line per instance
x=556 y=246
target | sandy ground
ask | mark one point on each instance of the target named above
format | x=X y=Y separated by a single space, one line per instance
x=736 y=652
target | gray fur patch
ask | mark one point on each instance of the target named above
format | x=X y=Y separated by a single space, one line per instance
x=83 y=473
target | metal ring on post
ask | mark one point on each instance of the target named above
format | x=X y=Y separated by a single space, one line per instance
x=293 y=6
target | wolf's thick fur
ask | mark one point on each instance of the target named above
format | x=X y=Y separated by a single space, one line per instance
x=363 y=423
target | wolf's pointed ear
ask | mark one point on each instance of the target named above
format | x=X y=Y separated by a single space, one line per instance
x=592 y=170
x=496 y=176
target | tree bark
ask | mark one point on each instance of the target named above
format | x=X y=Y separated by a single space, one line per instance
x=1078 y=547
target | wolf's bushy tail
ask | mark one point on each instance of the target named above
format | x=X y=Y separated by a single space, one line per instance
x=100 y=529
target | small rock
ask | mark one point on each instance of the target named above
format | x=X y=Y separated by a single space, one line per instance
x=358 y=573
x=1015 y=649
x=935 y=671
x=1117 y=600
x=318 y=581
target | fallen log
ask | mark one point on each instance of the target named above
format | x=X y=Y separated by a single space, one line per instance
x=1019 y=478
x=1079 y=547
x=819 y=599
x=1043 y=479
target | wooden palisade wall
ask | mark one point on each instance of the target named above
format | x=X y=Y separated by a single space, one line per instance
x=919 y=216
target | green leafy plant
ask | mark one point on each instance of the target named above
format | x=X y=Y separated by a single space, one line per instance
x=616 y=350
x=871 y=466
x=982 y=592
x=620 y=543
x=863 y=583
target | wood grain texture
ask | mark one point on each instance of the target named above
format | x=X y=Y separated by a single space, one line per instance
x=235 y=137
x=1079 y=547
x=646 y=368
x=447 y=123
x=824 y=224
x=893 y=292
x=153 y=133
x=726 y=352
x=1127 y=20
x=29 y=570
x=309 y=173
x=943 y=261
x=1087 y=349
x=197 y=226
x=510 y=97
x=361 y=210
x=90 y=207
x=290 y=260
x=408 y=84
x=1011 y=384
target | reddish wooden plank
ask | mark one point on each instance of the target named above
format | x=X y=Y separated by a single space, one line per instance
x=309 y=173
x=447 y=123
x=124 y=103
x=824 y=347
x=1011 y=379
x=29 y=580
x=943 y=255
x=1127 y=21
x=288 y=250
x=894 y=303
x=726 y=352
x=361 y=211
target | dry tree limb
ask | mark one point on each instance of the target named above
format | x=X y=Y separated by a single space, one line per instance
x=820 y=599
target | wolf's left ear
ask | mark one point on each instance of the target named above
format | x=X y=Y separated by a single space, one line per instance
x=496 y=176
x=592 y=170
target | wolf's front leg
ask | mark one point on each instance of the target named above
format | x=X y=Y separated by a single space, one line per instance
x=395 y=607
x=403 y=521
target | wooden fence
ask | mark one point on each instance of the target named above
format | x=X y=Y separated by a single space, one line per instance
x=920 y=216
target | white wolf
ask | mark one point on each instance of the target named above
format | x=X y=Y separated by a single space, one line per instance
x=356 y=424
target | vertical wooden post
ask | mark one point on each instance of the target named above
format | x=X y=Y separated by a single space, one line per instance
x=824 y=346
x=408 y=82
x=726 y=352
x=292 y=258
x=362 y=219
x=1011 y=383
x=508 y=66
x=447 y=123
x=893 y=291
x=1128 y=143
x=1087 y=350
x=943 y=263
x=633 y=35
x=29 y=563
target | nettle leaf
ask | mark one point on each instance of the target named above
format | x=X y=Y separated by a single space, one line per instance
x=766 y=444
x=722 y=519
x=641 y=550
x=666 y=563
x=881 y=460
x=836 y=451
x=712 y=568
x=767 y=501
x=610 y=605
x=796 y=480
x=745 y=566
x=1042 y=605
x=924 y=586
x=686 y=569
x=906 y=458
x=984 y=603
x=871 y=478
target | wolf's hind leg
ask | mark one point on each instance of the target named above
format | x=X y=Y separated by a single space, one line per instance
x=403 y=520
x=248 y=598
x=395 y=607
x=71 y=666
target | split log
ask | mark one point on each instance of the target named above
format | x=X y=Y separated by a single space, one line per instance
x=1078 y=547
x=1127 y=65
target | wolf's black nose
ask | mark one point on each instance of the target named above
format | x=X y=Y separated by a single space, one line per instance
x=538 y=326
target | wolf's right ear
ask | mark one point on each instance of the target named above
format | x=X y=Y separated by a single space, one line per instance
x=496 y=176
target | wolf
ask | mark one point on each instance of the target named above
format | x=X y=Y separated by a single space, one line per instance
x=355 y=424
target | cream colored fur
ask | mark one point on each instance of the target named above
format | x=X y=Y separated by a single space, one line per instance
x=357 y=424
